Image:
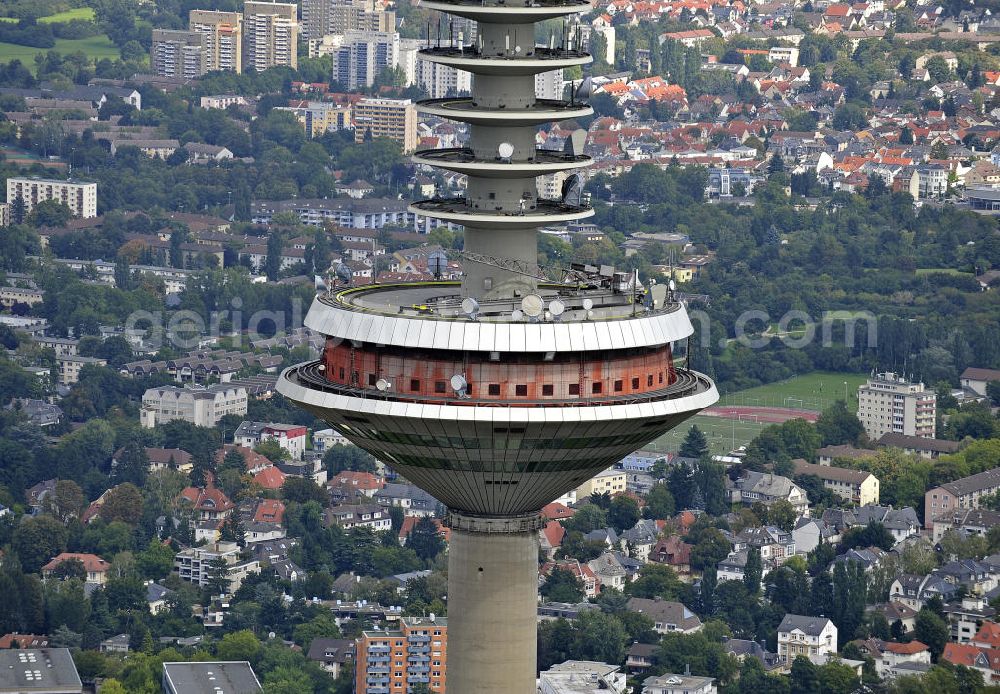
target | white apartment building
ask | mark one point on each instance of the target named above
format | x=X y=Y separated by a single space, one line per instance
x=549 y=85
x=888 y=403
x=363 y=55
x=202 y=406
x=325 y=439
x=270 y=35
x=195 y=564
x=178 y=53
x=80 y=198
x=326 y=17
x=223 y=32
x=808 y=636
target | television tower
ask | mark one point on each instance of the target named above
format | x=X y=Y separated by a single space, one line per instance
x=500 y=393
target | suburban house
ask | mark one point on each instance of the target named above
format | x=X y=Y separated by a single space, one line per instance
x=855 y=486
x=96 y=568
x=808 y=636
x=768 y=488
x=668 y=616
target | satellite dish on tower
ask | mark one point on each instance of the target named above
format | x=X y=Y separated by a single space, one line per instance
x=572 y=189
x=383 y=385
x=672 y=285
x=460 y=385
x=556 y=307
x=436 y=263
x=505 y=150
x=470 y=307
x=344 y=273
x=517 y=314
x=532 y=305
x=588 y=304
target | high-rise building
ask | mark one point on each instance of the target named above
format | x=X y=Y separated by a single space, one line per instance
x=888 y=403
x=324 y=17
x=223 y=32
x=440 y=80
x=363 y=55
x=178 y=53
x=392 y=118
x=500 y=393
x=80 y=198
x=270 y=35
x=391 y=661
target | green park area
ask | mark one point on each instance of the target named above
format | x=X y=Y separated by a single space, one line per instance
x=84 y=13
x=95 y=47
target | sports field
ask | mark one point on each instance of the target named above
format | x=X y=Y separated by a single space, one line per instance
x=737 y=422
x=95 y=47
x=815 y=391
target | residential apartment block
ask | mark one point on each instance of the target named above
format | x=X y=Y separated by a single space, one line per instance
x=857 y=486
x=363 y=56
x=194 y=564
x=71 y=364
x=319 y=117
x=202 y=406
x=611 y=481
x=270 y=35
x=959 y=494
x=178 y=53
x=393 y=660
x=223 y=32
x=80 y=198
x=395 y=119
x=325 y=17
x=888 y=403
x=290 y=437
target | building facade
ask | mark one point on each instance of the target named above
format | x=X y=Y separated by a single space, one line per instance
x=80 y=198
x=964 y=493
x=223 y=32
x=391 y=661
x=195 y=564
x=806 y=636
x=270 y=35
x=395 y=119
x=178 y=53
x=363 y=56
x=857 y=486
x=202 y=406
x=888 y=403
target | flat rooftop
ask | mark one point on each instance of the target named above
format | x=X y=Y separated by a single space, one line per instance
x=38 y=670
x=218 y=677
x=443 y=301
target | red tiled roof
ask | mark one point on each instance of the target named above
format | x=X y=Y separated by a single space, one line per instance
x=904 y=648
x=208 y=498
x=357 y=480
x=270 y=478
x=410 y=522
x=91 y=562
x=557 y=511
x=269 y=511
x=252 y=458
x=554 y=533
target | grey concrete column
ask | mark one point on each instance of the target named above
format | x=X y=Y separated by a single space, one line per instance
x=492 y=604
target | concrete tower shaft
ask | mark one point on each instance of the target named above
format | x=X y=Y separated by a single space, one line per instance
x=500 y=405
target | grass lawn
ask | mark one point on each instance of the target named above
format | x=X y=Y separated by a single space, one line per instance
x=96 y=47
x=9 y=20
x=941 y=271
x=815 y=391
x=721 y=434
x=84 y=13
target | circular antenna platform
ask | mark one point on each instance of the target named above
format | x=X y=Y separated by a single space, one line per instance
x=532 y=305
x=588 y=304
x=505 y=150
x=556 y=307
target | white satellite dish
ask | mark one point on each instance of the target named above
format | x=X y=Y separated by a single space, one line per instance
x=556 y=307
x=459 y=384
x=672 y=285
x=532 y=305
x=588 y=304
x=590 y=314
x=517 y=314
x=383 y=384
x=505 y=150
x=470 y=306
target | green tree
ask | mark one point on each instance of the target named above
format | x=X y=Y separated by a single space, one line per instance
x=804 y=676
x=339 y=458
x=562 y=586
x=599 y=636
x=239 y=645
x=302 y=490
x=123 y=503
x=623 y=513
x=782 y=514
x=156 y=561
x=838 y=425
x=425 y=539
x=218 y=576
x=753 y=571
x=695 y=444
x=36 y=540
x=931 y=629
x=659 y=502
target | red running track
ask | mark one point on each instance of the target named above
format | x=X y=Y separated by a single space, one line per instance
x=764 y=415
